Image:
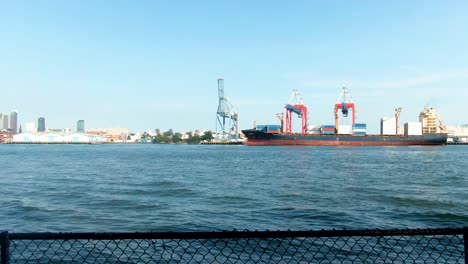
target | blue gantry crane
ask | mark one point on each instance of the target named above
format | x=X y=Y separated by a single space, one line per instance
x=226 y=116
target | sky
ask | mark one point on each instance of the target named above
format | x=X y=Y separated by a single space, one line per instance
x=144 y=65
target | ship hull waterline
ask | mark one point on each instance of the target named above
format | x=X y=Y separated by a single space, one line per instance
x=259 y=138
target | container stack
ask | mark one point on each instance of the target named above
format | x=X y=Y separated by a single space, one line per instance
x=273 y=129
x=413 y=129
x=359 y=129
x=388 y=126
x=328 y=129
x=344 y=130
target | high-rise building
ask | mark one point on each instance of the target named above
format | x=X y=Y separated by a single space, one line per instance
x=4 y=119
x=80 y=126
x=14 y=121
x=41 y=124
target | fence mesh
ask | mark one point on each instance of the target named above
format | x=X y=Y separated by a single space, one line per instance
x=239 y=247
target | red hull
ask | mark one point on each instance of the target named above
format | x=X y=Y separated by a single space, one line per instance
x=331 y=143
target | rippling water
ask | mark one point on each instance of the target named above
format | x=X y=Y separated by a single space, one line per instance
x=104 y=188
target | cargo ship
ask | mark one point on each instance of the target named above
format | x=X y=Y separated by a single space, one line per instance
x=261 y=138
x=428 y=131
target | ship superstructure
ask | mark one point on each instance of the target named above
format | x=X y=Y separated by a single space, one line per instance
x=431 y=123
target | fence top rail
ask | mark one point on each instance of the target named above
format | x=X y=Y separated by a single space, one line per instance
x=237 y=234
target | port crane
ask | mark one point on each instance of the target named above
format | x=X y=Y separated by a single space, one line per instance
x=227 y=117
x=344 y=103
x=296 y=106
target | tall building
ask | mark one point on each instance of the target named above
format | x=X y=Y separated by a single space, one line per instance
x=41 y=124
x=80 y=126
x=4 y=120
x=14 y=121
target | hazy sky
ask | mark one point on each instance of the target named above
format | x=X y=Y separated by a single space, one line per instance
x=154 y=64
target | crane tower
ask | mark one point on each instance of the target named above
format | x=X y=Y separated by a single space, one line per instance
x=344 y=103
x=295 y=105
x=226 y=117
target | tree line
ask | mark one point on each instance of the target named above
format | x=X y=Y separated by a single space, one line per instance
x=169 y=137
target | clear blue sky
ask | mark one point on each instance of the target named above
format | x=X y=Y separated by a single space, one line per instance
x=154 y=64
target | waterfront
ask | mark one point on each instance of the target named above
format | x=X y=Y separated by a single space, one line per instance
x=104 y=188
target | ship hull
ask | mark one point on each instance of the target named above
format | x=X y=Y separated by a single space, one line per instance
x=260 y=138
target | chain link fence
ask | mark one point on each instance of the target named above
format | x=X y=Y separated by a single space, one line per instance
x=346 y=246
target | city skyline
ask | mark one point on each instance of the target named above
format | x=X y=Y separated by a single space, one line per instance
x=154 y=65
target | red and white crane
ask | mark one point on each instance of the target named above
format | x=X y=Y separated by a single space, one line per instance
x=344 y=103
x=295 y=105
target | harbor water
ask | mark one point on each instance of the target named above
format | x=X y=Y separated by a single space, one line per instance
x=146 y=187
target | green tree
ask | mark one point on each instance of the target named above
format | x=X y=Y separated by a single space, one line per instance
x=192 y=139
x=168 y=134
x=161 y=139
x=208 y=136
x=177 y=137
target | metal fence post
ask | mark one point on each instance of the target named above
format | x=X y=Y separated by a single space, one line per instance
x=465 y=240
x=5 y=247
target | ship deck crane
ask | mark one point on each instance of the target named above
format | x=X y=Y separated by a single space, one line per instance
x=397 y=116
x=443 y=129
x=344 y=103
x=280 y=116
x=296 y=106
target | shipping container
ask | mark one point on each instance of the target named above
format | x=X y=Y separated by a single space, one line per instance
x=388 y=126
x=360 y=125
x=413 y=128
x=273 y=127
x=268 y=128
x=327 y=129
x=359 y=128
x=344 y=130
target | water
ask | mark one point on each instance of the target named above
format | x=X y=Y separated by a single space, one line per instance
x=128 y=188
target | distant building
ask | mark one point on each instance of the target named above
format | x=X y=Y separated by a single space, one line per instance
x=80 y=126
x=4 y=121
x=14 y=122
x=158 y=131
x=117 y=134
x=41 y=124
x=457 y=134
x=53 y=137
